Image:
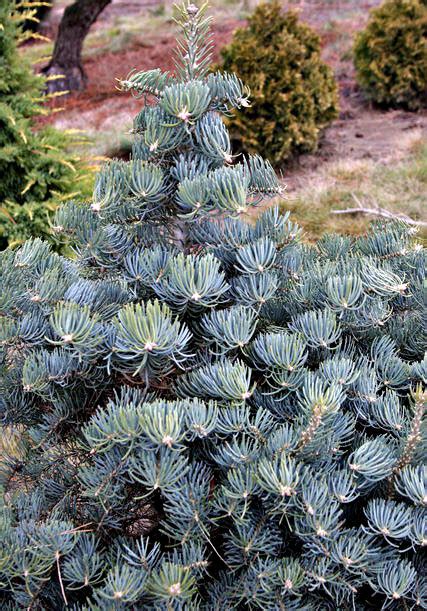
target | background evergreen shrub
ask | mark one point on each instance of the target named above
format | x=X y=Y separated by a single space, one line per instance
x=390 y=54
x=293 y=92
x=215 y=414
x=35 y=168
x=35 y=12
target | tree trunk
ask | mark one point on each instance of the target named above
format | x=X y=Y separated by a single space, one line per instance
x=66 y=59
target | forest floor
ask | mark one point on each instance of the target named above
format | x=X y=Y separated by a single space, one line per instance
x=367 y=157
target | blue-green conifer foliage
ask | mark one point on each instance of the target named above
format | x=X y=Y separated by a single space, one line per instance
x=211 y=413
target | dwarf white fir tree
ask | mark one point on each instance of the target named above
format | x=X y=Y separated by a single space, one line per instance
x=212 y=414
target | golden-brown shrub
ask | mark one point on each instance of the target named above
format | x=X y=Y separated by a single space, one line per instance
x=390 y=54
x=293 y=92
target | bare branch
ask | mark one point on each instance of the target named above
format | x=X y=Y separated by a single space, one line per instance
x=361 y=209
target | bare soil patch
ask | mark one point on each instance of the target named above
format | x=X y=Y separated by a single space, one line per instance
x=362 y=134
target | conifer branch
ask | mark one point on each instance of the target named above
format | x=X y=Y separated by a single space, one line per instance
x=419 y=397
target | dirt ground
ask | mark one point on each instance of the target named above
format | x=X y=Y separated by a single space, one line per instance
x=367 y=134
x=360 y=132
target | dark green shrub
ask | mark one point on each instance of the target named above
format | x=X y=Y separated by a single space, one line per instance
x=390 y=54
x=35 y=168
x=35 y=13
x=216 y=416
x=293 y=92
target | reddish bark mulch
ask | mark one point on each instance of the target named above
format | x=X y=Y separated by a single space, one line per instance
x=102 y=71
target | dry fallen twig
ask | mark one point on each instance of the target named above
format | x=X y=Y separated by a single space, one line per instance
x=361 y=209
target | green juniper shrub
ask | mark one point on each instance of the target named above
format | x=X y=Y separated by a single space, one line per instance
x=214 y=414
x=35 y=13
x=390 y=54
x=35 y=168
x=293 y=92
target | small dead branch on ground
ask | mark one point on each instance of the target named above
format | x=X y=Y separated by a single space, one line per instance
x=378 y=211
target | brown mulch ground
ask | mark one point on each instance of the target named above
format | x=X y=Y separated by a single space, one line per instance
x=96 y=106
